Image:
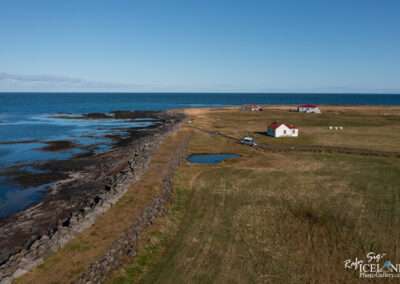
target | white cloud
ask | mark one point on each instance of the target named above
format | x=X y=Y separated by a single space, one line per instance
x=48 y=83
x=18 y=82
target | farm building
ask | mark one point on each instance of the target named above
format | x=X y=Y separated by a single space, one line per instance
x=282 y=130
x=252 y=107
x=309 y=109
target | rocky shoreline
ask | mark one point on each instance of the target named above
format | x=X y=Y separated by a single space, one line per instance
x=94 y=184
x=125 y=246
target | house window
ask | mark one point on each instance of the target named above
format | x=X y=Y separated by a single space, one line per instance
x=284 y=131
x=293 y=131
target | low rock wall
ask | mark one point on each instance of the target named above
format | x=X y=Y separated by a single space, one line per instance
x=125 y=246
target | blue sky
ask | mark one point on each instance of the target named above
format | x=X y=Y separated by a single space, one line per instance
x=200 y=46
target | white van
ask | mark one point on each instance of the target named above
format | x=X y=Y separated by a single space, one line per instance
x=248 y=141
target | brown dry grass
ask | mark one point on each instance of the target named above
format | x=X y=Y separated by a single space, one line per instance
x=365 y=127
x=281 y=218
x=278 y=217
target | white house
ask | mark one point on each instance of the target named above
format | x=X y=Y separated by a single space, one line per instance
x=252 y=107
x=309 y=109
x=282 y=130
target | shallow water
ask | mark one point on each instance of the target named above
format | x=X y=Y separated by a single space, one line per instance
x=14 y=198
x=47 y=127
x=211 y=159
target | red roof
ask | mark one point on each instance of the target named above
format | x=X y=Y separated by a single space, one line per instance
x=312 y=106
x=253 y=106
x=276 y=125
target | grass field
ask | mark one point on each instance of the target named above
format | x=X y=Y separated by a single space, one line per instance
x=266 y=217
x=274 y=217
x=366 y=128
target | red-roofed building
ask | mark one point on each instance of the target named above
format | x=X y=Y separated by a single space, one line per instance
x=252 y=107
x=309 y=109
x=277 y=129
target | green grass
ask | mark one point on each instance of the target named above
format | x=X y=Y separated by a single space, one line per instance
x=287 y=217
x=144 y=260
x=264 y=220
x=77 y=247
x=326 y=118
x=160 y=237
x=360 y=129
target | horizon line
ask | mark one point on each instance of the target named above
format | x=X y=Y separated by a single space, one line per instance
x=192 y=92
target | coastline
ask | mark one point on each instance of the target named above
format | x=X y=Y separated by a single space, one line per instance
x=25 y=243
x=124 y=246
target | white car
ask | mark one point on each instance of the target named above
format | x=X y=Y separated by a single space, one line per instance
x=248 y=141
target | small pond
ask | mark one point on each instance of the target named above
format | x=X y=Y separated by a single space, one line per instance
x=211 y=159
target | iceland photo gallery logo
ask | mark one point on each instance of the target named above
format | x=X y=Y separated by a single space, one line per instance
x=372 y=267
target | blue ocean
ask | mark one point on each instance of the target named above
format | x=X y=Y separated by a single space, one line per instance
x=28 y=120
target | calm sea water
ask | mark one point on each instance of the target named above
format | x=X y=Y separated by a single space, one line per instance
x=39 y=103
x=25 y=117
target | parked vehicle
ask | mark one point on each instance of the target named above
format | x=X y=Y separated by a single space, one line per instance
x=248 y=141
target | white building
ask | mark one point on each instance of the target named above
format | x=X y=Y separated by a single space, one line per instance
x=282 y=130
x=252 y=107
x=309 y=109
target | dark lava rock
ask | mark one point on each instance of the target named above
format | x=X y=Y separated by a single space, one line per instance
x=119 y=114
x=96 y=115
x=124 y=114
x=74 y=164
x=20 y=142
x=36 y=179
x=60 y=145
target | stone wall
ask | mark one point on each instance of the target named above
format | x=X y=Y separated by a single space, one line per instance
x=125 y=246
x=41 y=247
